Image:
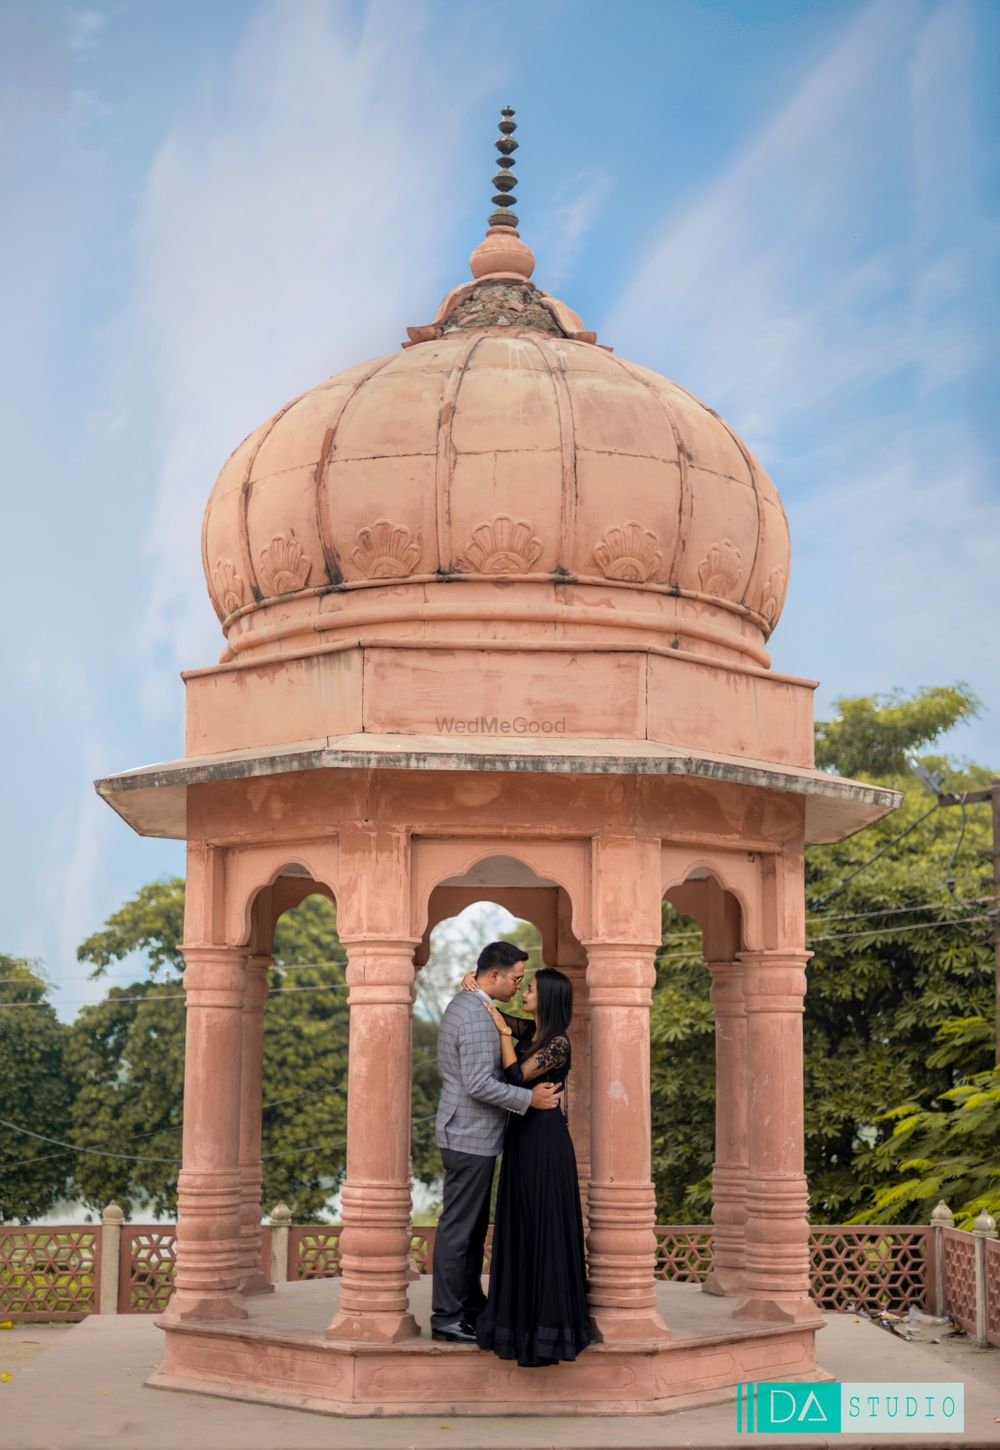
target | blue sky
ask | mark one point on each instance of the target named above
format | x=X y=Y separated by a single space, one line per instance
x=789 y=208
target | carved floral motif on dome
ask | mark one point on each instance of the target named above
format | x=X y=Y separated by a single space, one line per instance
x=721 y=570
x=774 y=593
x=629 y=552
x=283 y=565
x=502 y=546
x=385 y=550
x=229 y=587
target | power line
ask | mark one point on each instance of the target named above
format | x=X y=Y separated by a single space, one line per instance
x=878 y=855
x=167 y=997
x=135 y=1158
x=911 y=926
x=823 y=917
x=868 y=931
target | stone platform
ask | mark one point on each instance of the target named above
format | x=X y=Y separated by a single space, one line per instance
x=280 y=1356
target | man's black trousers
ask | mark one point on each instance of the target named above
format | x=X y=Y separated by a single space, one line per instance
x=460 y=1238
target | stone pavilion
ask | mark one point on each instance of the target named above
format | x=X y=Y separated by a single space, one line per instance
x=496 y=612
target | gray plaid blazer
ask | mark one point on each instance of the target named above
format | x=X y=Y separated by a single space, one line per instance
x=476 y=1097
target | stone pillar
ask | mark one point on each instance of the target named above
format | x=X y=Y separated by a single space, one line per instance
x=729 y=1171
x=281 y=1222
x=941 y=1218
x=376 y=1197
x=622 y=1205
x=571 y=959
x=112 y=1219
x=578 y=1095
x=208 y=1189
x=253 y=1272
x=984 y=1227
x=777 y=1281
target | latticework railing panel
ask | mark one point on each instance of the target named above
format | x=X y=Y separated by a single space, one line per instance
x=683 y=1253
x=959 y=1253
x=869 y=1268
x=146 y=1275
x=314 y=1251
x=49 y=1273
x=993 y=1291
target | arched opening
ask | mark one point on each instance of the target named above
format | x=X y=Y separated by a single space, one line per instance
x=500 y=896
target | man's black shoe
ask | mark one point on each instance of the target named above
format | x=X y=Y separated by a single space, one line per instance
x=457 y=1333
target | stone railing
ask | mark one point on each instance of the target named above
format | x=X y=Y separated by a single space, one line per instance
x=118 y=1268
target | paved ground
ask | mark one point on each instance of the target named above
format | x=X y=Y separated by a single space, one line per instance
x=81 y=1388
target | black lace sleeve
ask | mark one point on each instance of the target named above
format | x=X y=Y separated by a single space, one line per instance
x=519 y=1026
x=553 y=1055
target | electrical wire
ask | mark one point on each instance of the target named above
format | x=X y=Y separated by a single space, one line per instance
x=868 y=931
x=166 y=997
x=176 y=1127
x=134 y=1158
x=949 y=875
x=694 y=937
x=878 y=855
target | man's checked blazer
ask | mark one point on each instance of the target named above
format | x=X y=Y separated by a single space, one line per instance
x=475 y=1098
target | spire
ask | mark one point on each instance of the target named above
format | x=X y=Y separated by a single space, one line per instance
x=505 y=180
x=503 y=253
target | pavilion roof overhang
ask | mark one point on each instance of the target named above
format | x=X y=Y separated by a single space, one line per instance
x=153 y=798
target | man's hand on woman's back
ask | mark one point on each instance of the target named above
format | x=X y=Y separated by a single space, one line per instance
x=546 y=1095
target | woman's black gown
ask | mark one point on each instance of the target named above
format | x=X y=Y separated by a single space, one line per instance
x=536 y=1312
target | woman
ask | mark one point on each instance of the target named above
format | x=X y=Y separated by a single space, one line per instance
x=536 y=1312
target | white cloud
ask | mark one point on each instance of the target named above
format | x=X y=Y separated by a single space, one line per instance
x=568 y=216
x=820 y=295
x=291 y=227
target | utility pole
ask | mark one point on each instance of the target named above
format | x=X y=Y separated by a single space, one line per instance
x=972 y=798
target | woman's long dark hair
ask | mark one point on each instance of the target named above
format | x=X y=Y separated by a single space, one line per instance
x=555 y=1005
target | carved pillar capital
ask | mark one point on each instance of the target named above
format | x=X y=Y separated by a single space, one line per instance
x=774 y=981
x=214 y=976
x=621 y=974
x=380 y=969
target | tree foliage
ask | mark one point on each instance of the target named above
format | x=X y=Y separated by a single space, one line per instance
x=951 y=1149
x=896 y=955
x=36 y=1093
x=873 y=734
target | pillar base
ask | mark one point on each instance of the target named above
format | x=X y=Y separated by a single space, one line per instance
x=626 y=1326
x=256 y=1282
x=778 y=1309
x=724 y=1282
x=190 y=1304
x=373 y=1327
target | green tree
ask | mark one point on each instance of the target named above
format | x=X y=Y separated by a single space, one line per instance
x=36 y=1093
x=897 y=953
x=128 y=1057
x=682 y=1042
x=951 y=1149
x=873 y=734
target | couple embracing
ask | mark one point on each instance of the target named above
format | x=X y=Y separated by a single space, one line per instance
x=503 y=1079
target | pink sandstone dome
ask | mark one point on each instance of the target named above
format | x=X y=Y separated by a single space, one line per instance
x=503 y=476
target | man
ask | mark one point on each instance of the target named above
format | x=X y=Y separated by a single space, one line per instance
x=471 y=1118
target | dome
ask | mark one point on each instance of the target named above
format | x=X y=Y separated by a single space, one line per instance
x=502 y=476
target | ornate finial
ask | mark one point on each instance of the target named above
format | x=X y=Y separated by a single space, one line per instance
x=505 y=180
x=503 y=251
